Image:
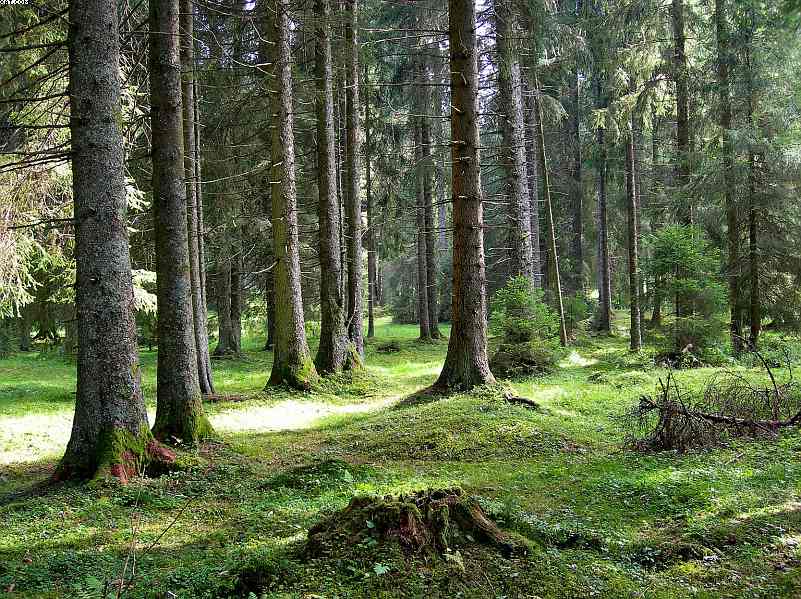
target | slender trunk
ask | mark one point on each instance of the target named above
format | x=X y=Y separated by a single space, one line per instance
x=292 y=363
x=422 y=273
x=532 y=170
x=193 y=220
x=553 y=256
x=754 y=302
x=109 y=430
x=353 y=172
x=371 y=255
x=576 y=189
x=466 y=364
x=24 y=330
x=332 y=351
x=683 y=140
x=201 y=231
x=732 y=221
x=604 y=323
x=236 y=304
x=633 y=242
x=225 y=328
x=179 y=411
x=513 y=130
x=659 y=289
x=429 y=238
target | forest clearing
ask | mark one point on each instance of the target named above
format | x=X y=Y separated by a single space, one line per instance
x=329 y=299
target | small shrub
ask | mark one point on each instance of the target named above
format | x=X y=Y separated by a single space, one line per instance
x=577 y=310
x=520 y=314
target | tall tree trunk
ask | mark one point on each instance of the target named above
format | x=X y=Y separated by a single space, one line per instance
x=179 y=411
x=604 y=322
x=201 y=231
x=553 y=255
x=633 y=241
x=353 y=170
x=576 y=280
x=422 y=273
x=292 y=363
x=513 y=129
x=371 y=245
x=681 y=78
x=466 y=363
x=193 y=220
x=332 y=351
x=754 y=302
x=532 y=171
x=732 y=221
x=236 y=303
x=109 y=431
x=225 y=327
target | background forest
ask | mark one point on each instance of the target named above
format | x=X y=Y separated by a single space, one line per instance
x=399 y=298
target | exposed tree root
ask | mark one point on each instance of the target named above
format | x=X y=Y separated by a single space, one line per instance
x=431 y=521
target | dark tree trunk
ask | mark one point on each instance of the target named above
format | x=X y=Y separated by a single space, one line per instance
x=110 y=432
x=333 y=348
x=633 y=242
x=353 y=173
x=371 y=245
x=732 y=220
x=681 y=78
x=553 y=255
x=754 y=302
x=179 y=411
x=292 y=363
x=422 y=273
x=24 y=330
x=466 y=364
x=193 y=219
x=532 y=170
x=513 y=129
x=225 y=326
x=201 y=231
x=576 y=190
x=236 y=303
x=604 y=322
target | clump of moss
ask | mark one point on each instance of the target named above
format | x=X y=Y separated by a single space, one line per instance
x=431 y=522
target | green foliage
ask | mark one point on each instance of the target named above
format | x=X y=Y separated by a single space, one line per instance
x=577 y=310
x=520 y=314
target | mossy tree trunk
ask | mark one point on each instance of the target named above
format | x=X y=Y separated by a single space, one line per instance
x=292 y=362
x=466 y=363
x=110 y=433
x=192 y=197
x=333 y=349
x=179 y=411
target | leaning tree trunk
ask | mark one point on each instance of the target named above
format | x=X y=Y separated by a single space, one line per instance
x=633 y=241
x=333 y=349
x=422 y=273
x=513 y=129
x=110 y=432
x=732 y=221
x=466 y=363
x=353 y=208
x=179 y=411
x=292 y=363
x=553 y=255
x=193 y=220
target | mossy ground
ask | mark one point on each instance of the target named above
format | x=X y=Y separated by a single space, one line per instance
x=609 y=522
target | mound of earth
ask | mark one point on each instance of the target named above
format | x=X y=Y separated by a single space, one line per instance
x=433 y=522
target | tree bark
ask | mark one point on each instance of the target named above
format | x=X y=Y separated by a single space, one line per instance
x=604 y=322
x=292 y=363
x=371 y=245
x=422 y=273
x=225 y=326
x=332 y=351
x=508 y=34
x=532 y=171
x=269 y=300
x=466 y=363
x=683 y=139
x=110 y=432
x=633 y=242
x=353 y=175
x=236 y=303
x=193 y=220
x=754 y=302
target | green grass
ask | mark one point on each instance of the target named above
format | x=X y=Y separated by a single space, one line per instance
x=606 y=521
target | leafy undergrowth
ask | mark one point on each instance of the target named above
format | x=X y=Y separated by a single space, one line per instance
x=603 y=521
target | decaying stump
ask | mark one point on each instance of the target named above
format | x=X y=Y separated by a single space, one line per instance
x=431 y=521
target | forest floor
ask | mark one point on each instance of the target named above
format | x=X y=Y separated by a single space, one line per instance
x=606 y=521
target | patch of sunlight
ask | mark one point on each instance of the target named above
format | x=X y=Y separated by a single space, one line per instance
x=544 y=395
x=32 y=437
x=576 y=359
x=286 y=415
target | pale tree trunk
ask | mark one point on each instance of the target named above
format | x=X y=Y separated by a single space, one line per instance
x=513 y=129
x=532 y=171
x=110 y=432
x=422 y=273
x=553 y=255
x=179 y=411
x=192 y=197
x=633 y=242
x=353 y=208
x=332 y=351
x=292 y=363
x=732 y=220
x=466 y=363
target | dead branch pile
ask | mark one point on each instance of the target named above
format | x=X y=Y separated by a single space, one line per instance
x=674 y=418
